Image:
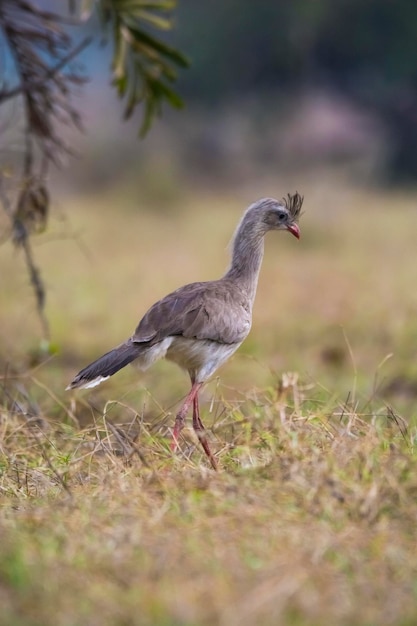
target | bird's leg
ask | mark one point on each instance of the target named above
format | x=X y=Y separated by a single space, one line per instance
x=199 y=430
x=180 y=418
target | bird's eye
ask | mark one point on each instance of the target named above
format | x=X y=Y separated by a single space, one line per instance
x=282 y=216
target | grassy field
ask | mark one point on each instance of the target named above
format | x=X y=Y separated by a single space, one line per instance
x=312 y=518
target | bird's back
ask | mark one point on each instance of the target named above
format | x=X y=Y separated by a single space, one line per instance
x=198 y=326
x=216 y=311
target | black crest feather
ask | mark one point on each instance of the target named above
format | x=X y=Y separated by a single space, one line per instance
x=294 y=203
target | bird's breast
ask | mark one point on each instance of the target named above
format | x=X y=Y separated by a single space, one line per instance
x=201 y=357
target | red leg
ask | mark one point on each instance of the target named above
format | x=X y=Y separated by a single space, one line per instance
x=179 y=420
x=199 y=430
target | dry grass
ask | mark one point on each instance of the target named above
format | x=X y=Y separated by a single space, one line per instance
x=312 y=518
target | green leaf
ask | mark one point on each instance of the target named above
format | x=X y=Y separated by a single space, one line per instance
x=121 y=84
x=120 y=53
x=163 y=91
x=142 y=64
x=174 y=55
x=156 y=20
x=156 y=5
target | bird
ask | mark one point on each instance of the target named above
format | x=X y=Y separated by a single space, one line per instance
x=200 y=325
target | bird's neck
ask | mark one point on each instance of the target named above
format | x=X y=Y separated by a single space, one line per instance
x=247 y=255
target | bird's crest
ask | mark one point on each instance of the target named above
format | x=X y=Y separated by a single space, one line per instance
x=293 y=204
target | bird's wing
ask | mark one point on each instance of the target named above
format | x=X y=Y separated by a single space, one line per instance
x=211 y=310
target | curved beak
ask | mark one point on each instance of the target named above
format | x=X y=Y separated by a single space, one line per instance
x=294 y=230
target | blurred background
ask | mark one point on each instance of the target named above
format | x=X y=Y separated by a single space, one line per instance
x=318 y=97
x=278 y=85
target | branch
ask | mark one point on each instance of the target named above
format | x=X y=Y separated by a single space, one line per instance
x=37 y=284
x=31 y=35
x=38 y=84
x=34 y=274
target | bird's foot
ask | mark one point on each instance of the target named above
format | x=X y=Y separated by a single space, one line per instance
x=179 y=425
x=203 y=440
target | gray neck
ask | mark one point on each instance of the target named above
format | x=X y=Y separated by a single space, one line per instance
x=247 y=255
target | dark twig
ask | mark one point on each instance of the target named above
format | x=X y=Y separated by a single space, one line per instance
x=45 y=89
x=48 y=15
x=398 y=421
x=128 y=446
x=29 y=86
x=38 y=286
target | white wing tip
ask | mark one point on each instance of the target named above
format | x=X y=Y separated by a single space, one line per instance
x=88 y=384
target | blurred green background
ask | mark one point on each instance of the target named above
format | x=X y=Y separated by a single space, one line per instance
x=285 y=84
x=318 y=97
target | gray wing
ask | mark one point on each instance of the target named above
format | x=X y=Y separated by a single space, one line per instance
x=213 y=310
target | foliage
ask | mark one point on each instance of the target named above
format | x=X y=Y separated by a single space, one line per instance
x=42 y=51
x=143 y=66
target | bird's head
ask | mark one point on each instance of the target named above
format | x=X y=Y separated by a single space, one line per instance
x=283 y=214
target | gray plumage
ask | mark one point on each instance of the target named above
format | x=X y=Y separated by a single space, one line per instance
x=199 y=326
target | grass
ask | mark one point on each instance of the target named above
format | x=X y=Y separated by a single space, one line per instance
x=312 y=517
x=310 y=521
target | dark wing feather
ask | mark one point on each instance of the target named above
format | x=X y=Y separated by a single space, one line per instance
x=215 y=310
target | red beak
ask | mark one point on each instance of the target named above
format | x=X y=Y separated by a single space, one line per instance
x=294 y=230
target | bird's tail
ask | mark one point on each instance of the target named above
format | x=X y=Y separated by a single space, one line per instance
x=106 y=366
